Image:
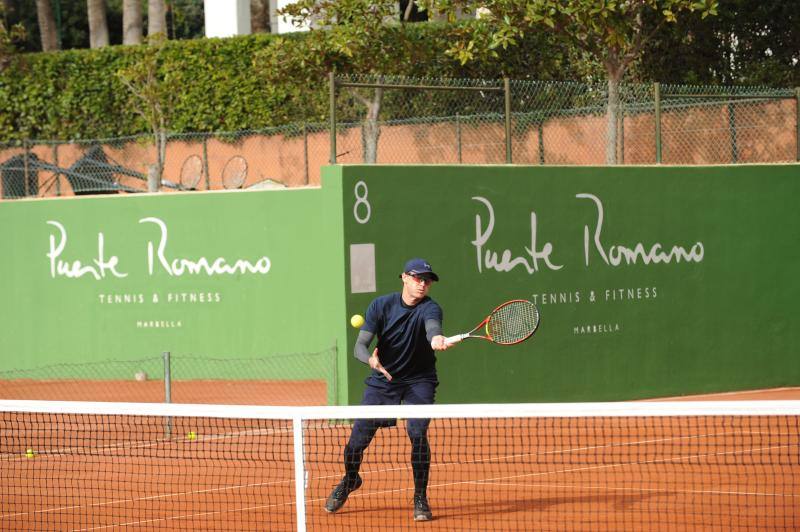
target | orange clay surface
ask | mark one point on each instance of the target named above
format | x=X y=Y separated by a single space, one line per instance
x=604 y=474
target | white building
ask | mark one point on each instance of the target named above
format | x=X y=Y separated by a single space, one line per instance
x=225 y=18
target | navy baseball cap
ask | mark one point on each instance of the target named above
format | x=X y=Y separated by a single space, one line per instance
x=420 y=267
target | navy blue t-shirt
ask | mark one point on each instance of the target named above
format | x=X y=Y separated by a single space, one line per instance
x=403 y=347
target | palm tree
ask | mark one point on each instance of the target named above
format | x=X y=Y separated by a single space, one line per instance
x=131 y=22
x=47 y=25
x=259 y=16
x=98 y=26
x=156 y=17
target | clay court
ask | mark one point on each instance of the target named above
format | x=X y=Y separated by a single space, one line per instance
x=223 y=392
x=604 y=473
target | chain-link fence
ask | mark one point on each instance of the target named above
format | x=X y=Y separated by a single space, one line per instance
x=277 y=157
x=524 y=122
x=439 y=121
x=281 y=380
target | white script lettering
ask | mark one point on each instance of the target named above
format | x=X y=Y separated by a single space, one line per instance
x=179 y=266
x=615 y=254
x=75 y=269
x=489 y=258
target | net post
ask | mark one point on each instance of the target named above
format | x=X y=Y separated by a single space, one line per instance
x=167 y=391
x=299 y=473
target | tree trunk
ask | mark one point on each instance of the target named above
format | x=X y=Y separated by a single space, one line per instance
x=98 y=26
x=47 y=25
x=132 y=22
x=259 y=16
x=156 y=17
x=371 y=128
x=615 y=73
x=160 y=141
x=153 y=179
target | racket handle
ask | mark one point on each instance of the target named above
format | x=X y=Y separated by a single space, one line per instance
x=450 y=340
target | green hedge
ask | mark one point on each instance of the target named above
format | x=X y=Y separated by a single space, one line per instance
x=76 y=94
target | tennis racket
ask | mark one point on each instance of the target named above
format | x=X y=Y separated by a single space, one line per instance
x=191 y=172
x=510 y=323
x=235 y=172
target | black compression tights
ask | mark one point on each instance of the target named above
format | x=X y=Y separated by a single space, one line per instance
x=420 y=456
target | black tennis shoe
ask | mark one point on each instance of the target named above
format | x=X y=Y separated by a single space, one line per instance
x=422 y=512
x=340 y=493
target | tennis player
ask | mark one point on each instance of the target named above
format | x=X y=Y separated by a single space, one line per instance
x=408 y=325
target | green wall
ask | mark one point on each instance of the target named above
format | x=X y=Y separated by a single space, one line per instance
x=721 y=318
x=65 y=301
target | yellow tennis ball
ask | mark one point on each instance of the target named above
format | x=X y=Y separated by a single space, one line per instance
x=191 y=435
x=29 y=453
x=357 y=320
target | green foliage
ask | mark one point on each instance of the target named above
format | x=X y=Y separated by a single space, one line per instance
x=754 y=42
x=184 y=21
x=9 y=39
x=231 y=84
x=74 y=23
x=261 y=81
x=151 y=82
x=77 y=94
x=609 y=31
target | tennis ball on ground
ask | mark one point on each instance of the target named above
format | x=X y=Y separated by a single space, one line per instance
x=140 y=376
x=357 y=320
x=29 y=453
x=191 y=435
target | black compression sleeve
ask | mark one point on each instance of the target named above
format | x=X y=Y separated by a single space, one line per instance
x=432 y=328
x=361 y=350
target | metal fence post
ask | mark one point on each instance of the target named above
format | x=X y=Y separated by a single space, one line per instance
x=305 y=150
x=334 y=366
x=168 y=389
x=657 y=97
x=541 y=140
x=507 y=91
x=55 y=162
x=25 y=169
x=332 y=102
x=621 y=133
x=797 y=119
x=458 y=137
x=732 y=129
x=205 y=162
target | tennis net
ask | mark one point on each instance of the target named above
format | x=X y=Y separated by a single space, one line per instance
x=587 y=466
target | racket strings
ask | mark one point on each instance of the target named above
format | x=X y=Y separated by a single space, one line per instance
x=513 y=322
